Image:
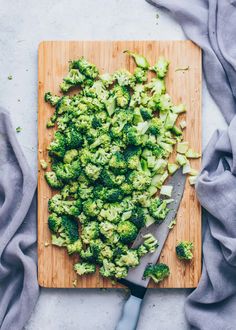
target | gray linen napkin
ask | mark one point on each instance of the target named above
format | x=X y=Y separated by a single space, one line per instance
x=212 y=25
x=18 y=270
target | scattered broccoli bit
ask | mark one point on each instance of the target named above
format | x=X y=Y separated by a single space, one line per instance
x=109 y=163
x=18 y=129
x=184 y=250
x=157 y=272
x=172 y=224
x=10 y=77
x=43 y=164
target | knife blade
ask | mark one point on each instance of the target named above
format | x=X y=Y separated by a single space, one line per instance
x=160 y=232
x=134 y=280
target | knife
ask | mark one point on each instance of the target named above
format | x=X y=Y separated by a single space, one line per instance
x=134 y=280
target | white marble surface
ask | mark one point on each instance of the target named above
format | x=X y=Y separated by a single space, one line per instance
x=23 y=24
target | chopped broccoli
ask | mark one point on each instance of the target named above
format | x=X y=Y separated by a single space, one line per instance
x=157 y=272
x=83 y=268
x=109 y=159
x=127 y=231
x=184 y=250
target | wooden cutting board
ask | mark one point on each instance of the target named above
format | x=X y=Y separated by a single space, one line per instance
x=55 y=267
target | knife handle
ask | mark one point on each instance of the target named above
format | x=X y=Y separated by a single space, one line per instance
x=130 y=314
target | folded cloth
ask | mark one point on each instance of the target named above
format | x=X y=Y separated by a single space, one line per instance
x=212 y=25
x=18 y=270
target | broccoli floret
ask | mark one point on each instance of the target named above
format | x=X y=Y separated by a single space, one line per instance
x=146 y=113
x=158 y=209
x=126 y=188
x=130 y=259
x=70 y=155
x=117 y=162
x=123 y=77
x=57 y=146
x=142 y=198
x=105 y=253
x=53 y=181
x=140 y=75
x=90 y=208
x=53 y=100
x=122 y=96
x=155 y=126
x=111 y=180
x=74 y=78
x=140 y=60
x=90 y=232
x=66 y=172
x=75 y=247
x=108 y=268
x=111 y=212
x=161 y=67
x=138 y=217
x=54 y=222
x=86 y=68
x=157 y=86
x=108 y=230
x=114 y=195
x=92 y=171
x=59 y=206
x=84 y=191
x=101 y=157
x=83 y=268
x=127 y=231
x=69 y=229
x=73 y=138
x=157 y=272
x=103 y=140
x=140 y=180
x=184 y=250
x=121 y=272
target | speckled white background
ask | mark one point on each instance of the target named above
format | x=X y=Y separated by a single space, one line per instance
x=23 y=24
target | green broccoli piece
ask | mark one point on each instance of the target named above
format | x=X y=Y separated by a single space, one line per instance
x=53 y=100
x=108 y=230
x=111 y=180
x=90 y=232
x=146 y=113
x=57 y=146
x=52 y=180
x=74 y=78
x=92 y=171
x=59 y=206
x=140 y=180
x=111 y=212
x=138 y=217
x=158 y=209
x=155 y=126
x=140 y=75
x=157 y=272
x=161 y=67
x=130 y=259
x=140 y=60
x=86 y=68
x=122 y=96
x=90 y=208
x=70 y=155
x=54 y=222
x=75 y=247
x=184 y=250
x=73 y=138
x=83 y=268
x=108 y=268
x=66 y=172
x=127 y=231
x=123 y=77
x=121 y=272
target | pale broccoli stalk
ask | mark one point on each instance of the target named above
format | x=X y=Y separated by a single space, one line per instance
x=140 y=60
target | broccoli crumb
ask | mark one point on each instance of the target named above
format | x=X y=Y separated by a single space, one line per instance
x=46 y=244
x=43 y=164
x=172 y=224
x=10 y=77
x=18 y=129
x=183 y=69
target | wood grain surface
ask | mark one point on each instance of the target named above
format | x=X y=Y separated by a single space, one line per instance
x=55 y=267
